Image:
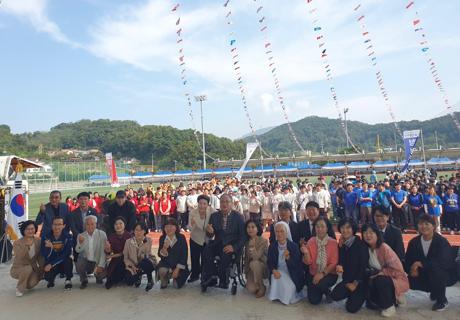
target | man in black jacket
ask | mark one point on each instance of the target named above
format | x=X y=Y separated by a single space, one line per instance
x=306 y=230
x=391 y=235
x=121 y=208
x=54 y=208
x=226 y=233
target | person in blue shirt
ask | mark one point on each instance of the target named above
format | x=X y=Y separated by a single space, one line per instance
x=382 y=199
x=416 y=205
x=452 y=210
x=399 y=200
x=351 y=203
x=365 y=204
x=373 y=178
x=433 y=206
x=56 y=249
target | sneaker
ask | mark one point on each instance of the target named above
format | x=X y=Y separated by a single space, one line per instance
x=389 y=312
x=50 y=284
x=19 y=293
x=440 y=306
x=452 y=232
x=401 y=301
x=84 y=284
x=68 y=285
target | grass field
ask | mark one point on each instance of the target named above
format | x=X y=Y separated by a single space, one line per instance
x=38 y=198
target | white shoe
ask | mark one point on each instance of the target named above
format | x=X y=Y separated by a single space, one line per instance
x=402 y=302
x=19 y=293
x=389 y=312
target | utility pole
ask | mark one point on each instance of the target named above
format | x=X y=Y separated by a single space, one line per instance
x=345 y=111
x=436 y=139
x=201 y=99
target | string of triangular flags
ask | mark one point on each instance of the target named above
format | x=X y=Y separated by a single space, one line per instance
x=273 y=71
x=417 y=24
x=319 y=36
x=183 y=69
x=368 y=44
x=236 y=66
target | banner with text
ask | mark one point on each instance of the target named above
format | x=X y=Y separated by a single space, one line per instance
x=410 y=140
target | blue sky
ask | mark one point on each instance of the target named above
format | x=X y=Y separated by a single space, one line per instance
x=65 y=60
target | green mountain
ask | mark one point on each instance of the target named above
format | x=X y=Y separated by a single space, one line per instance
x=316 y=132
x=123 y=139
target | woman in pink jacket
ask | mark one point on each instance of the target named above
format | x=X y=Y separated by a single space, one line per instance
x=387 y=281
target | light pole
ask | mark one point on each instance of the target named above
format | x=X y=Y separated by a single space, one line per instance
x=175 y=165
x=345 y=111
x=201 y=99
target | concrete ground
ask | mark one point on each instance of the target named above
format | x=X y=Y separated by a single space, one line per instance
x=189 y=303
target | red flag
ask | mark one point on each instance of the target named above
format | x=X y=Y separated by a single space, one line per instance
x=267 y=44
x=361 y=18
x=416 y=22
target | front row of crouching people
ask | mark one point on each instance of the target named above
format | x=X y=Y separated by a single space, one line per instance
x=300 y=261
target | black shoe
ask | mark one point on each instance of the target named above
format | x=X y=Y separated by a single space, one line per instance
x=149 y=286
x=440 y=306
x=328 y=297
x=99 y=281
x=108 y=285
x=50 y=284
x=62 y=275
x=211 y=282
x=84 y=284
x=137 y=284
x=432 y=297
x=68 y=285
x=371 y=306
x=193 y=279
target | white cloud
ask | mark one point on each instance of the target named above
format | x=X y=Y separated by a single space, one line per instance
x=34 y=11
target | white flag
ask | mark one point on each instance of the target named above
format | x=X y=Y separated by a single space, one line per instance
x=250 y=148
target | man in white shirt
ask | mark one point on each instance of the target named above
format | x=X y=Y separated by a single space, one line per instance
x=291 y=198
x=302 y=199
x=181 y=202
x=322 y=197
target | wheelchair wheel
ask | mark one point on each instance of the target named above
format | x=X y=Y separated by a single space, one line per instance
x=240 y=271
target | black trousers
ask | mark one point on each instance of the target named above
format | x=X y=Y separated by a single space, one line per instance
x=316 y=291
x=355 y=299
x=145 y=267
x=65 y=267
x=452 y=220
x=196 y=257
x=381 y=292
x=399 y=217
x=116 y=271
x=209 y=268
x=143 y=217
x=184 y=220
x=433 y=281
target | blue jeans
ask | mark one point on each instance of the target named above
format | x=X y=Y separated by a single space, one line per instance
x=352 y=213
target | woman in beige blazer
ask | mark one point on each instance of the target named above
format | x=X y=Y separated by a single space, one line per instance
x=255 y=259
x=138 y=257
x=27 y=265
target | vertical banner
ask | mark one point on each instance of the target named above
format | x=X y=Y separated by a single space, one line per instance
x=111 y=168
x=410 y=140
x=250 y=148
x=15 y=209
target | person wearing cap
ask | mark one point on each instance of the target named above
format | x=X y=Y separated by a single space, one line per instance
x=122 y=208
x=173 y=252
x=77 y=218
x=199 y=219
x=429 y=263
x=391 y=234
x=285 y=214
x=399 y=200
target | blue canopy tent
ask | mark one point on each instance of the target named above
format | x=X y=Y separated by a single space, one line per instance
x=333 y=166
x=219 y=171
x=440 y=161
x=264 y=169
x=183 y=173
x=203 y=171
x=163 y=174
x=412 y=163
x=286 y=168
x=98 y=178
x=385 y=164
x=359 y=165
x=143 y=175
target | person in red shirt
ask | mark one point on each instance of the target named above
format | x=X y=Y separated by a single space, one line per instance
x=172 y=198
x=156 y=211
x=165 y=208
x=143 y=210
x=98 y=200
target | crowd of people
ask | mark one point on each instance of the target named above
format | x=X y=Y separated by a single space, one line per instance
x=225 y=219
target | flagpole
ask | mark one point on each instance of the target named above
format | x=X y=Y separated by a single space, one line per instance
x=423 y=149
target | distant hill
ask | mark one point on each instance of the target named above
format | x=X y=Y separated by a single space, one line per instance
x=257 y=132
x=314 y=131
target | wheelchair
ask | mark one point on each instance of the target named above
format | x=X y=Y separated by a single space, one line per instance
x=235 y=272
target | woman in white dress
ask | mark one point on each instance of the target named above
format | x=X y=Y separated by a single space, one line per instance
x=285 y=266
